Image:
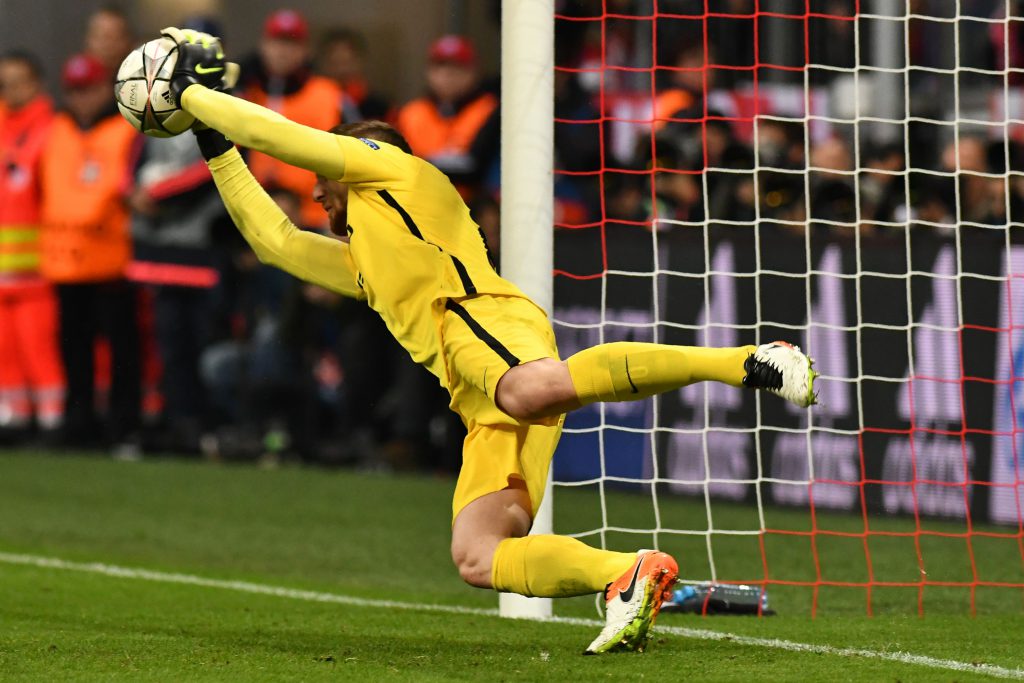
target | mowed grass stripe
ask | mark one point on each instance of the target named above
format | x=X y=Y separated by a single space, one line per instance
x=119 y=572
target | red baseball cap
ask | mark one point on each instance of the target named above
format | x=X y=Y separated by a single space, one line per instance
x=83 y=70
x=453 y=49
x=287 y=24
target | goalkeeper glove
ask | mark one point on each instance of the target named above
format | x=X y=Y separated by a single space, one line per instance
x=200 y=61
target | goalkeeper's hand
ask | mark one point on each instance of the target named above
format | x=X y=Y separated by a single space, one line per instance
x=200 y=61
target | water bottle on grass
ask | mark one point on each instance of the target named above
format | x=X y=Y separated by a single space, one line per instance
x=718 y=598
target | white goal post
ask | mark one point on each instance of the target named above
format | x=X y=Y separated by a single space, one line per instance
x=527 y=181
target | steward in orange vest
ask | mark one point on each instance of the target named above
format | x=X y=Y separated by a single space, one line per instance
x=31 y=373
x=86 y=169
x=22 y=137
x=86 y=248
x=455 y=126
x=280 y=78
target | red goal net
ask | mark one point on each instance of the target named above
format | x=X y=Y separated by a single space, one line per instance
x=737 y=171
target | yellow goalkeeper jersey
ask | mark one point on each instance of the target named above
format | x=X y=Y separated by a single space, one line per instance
x=412 y=243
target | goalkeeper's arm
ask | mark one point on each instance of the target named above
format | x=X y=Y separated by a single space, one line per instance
x=263 y=130
x=200 y=70
x=275 y=239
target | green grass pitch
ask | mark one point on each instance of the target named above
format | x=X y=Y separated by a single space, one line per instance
x=386 y=538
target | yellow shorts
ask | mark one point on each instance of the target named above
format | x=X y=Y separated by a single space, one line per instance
x=482 y=337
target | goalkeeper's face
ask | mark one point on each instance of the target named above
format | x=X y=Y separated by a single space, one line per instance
x=333 y=196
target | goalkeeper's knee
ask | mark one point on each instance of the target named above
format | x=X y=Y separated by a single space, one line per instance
x=536 y=390
x=474 y=566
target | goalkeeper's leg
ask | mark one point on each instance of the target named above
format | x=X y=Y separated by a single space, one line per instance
x=491 y=549
x=629 y=371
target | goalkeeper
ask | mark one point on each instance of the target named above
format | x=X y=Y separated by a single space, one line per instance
x=409 y=247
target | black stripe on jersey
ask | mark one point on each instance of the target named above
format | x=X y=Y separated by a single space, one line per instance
x=409 y=222
x=482 y=334
x=467 y=282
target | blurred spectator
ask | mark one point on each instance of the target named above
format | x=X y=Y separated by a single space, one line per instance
x=599 y=43
x=679 y=117
x=930 y=203
x=174 y=205
x=688 y=81
x=627 y=197
x=970 y=196
x=832 y=195
x=724 y=155
x=245 y=371
x=577 y=151
x=109 y=36
x=882 y=188
x=31 y=374
x=780 y=144
x=455 y=125
x=342 y=58
x=1006 y=160
x=86 y=248
x=313 y=394
x=677 y=186
x=780 y=162
x=280 y=77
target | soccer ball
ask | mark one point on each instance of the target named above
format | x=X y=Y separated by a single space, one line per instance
x=143 y=90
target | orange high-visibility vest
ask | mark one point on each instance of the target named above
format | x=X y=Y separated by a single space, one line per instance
x=22 y=138
x=318 y=105
x=429 y=134
x=85 y=234
x=23 y=135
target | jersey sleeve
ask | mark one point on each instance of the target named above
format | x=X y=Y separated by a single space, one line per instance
x=255 y=127
x=373 y=163
x=276 y=240
x=338 y=157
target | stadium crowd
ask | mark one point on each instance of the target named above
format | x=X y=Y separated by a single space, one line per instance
x=133 y=318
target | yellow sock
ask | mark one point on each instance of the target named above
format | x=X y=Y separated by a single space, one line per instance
x=555 y=567
x=628 y=371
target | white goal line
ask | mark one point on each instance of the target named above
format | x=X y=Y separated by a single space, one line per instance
x=336 y=598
